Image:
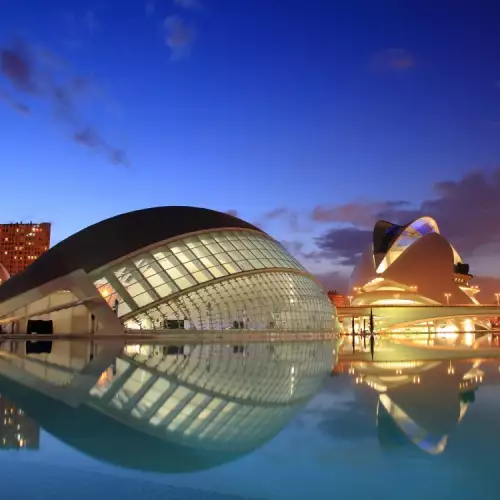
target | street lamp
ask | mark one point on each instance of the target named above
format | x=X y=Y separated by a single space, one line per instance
x=497 y=295
x=447 y=295
x=350 y=299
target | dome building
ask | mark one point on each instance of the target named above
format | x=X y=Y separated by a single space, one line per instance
x=166 y=268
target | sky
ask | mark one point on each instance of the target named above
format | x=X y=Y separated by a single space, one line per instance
x=310 y=119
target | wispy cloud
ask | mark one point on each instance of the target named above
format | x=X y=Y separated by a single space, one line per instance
x=362 y=214
x=90 y=138
x=36 y=73
x=392 y=60
x=179 y=36
x=282 y=213
x=232 y=212
x=18 y=106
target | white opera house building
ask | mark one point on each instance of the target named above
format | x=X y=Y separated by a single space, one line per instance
x=416 y=283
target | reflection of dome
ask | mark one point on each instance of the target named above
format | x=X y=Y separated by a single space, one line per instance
x=171 y=267
x=185 y=408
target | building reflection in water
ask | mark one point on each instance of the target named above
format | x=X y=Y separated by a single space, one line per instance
x=420 y=403
x=17 y=430
x=166 y=408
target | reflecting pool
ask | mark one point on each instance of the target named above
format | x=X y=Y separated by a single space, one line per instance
x=254 y=420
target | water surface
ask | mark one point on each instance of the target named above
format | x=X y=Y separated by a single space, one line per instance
x=255 y=420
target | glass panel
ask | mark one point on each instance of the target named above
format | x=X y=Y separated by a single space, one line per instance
x=166 y=289
x=177 y=272
x=223 y=258
x=201 y=252
x=156 y=280
x=192 y=242
x=194 y=266
x=185 y=282
x=168 y=262
x=123 y=308
x=151 y=397
x=132 y=385
x=235 y=255
x=232 y=268
x=226 y=245
x=218 y=271
x=136 y=289
x=202 y=276
x=177 y=247
x=143 y=300
x=186 y=256
x=214 y=248
x=245 y=265
x=210 y=261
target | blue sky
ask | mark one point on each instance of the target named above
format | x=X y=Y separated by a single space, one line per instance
x=249 y=105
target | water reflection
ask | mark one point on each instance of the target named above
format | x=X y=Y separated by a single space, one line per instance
x=161 y=407
x=17 y=430
x=420 y=403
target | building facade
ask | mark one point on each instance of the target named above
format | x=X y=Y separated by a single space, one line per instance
x=21 y=244
x=168 y=267
x=415 y=282
x=337 y=299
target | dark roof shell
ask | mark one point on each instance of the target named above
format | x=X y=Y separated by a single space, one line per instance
x=112 y=238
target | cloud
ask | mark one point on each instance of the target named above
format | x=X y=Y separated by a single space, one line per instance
x=294 y=247
x=343 y=246
x=91 y=139
x=282 y=213
x=362 y=214
x=179 y=36
x=467 y=211
x=36 y=73
x=18 y=106
x=17 y=68
x=392 y=60
x=232 y=212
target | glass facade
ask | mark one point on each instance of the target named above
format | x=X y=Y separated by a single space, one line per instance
x=217 y=280
x=218 y=395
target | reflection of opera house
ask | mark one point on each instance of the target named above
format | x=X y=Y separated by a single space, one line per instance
x=416 y=282
x=420 y=402
x=165 y=268
x=164 y=408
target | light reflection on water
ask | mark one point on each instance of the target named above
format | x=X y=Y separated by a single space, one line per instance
x=256 y=420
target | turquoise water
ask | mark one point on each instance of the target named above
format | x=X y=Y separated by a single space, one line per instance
x=249 y=421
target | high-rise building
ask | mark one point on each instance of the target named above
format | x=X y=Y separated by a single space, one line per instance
x=22 y=243
x=337 y=299
x=17 y=430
